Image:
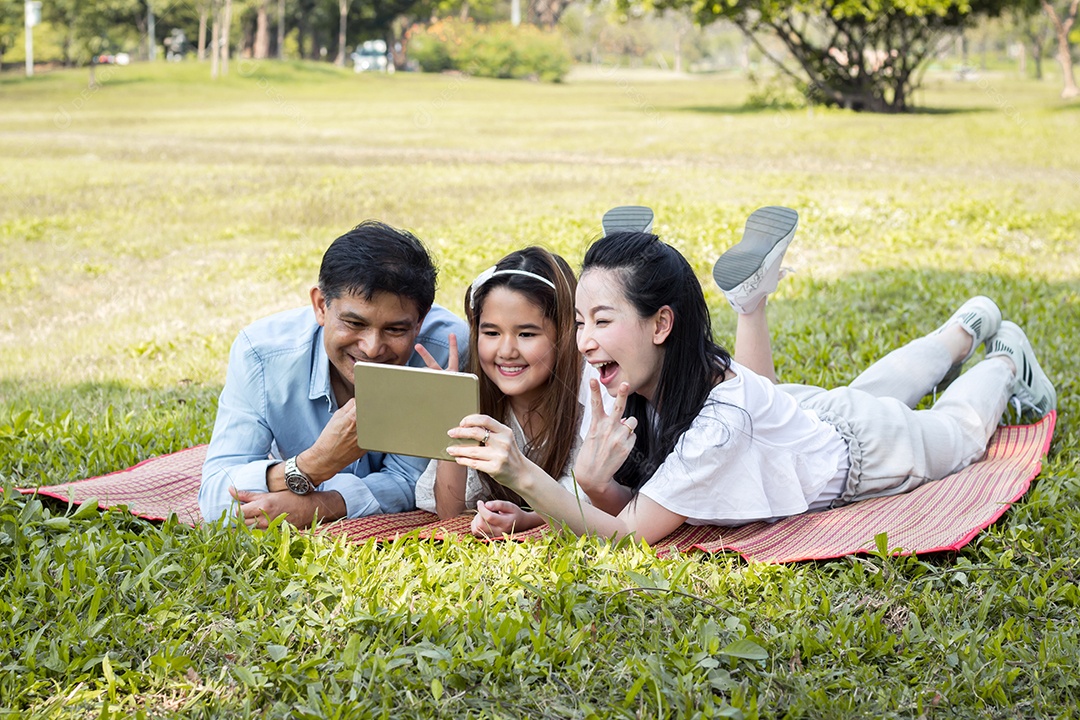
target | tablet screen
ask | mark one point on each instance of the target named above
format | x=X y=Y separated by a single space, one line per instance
x=407 y=411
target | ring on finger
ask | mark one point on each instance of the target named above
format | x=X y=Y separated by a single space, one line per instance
x=487 y=436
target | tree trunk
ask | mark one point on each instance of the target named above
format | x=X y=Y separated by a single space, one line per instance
x=226 y=32
x=281 y=30
x=343 y=7
x=546 y=13
x=151 y=33
x=1064 y=57
x=1033 y=46
x=203 y=12
x=69 y=43
x=261 y=49
x=1062 y=27
x=215 y=42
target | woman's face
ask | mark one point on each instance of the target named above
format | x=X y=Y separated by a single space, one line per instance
x=620 y=344
x=515 y=344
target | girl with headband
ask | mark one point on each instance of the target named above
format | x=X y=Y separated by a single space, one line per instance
x=522 y=349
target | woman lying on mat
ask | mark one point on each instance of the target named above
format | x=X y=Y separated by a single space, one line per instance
x=706 y=440
x=521 y=329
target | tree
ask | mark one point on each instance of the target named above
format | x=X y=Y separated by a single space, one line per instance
x=281 y=30
x=261 y=48
x=204 y=14
x=91 y=28
x=857 y=54
x=1032 y=24
x=12 y=21
x=546 y=13
x=343 y=9
x=1062 y=18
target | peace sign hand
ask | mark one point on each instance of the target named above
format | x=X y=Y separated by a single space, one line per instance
x=433 y=364
x=608 y=443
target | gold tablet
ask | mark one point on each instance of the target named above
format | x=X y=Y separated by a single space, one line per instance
x=407 y=411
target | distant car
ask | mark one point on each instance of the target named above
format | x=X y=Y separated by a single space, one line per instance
x=370 y=57
x=118 y=59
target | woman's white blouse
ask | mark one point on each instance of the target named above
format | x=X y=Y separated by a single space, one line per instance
x=751 y=454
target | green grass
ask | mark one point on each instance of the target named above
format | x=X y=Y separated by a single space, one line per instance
x=144 y=223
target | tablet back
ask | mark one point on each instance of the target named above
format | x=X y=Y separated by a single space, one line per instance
x=407 y=411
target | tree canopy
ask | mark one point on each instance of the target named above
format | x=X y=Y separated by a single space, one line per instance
x=859 y=54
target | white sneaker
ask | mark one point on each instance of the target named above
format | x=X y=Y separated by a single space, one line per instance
x=1032 y=390
x=628 y=218
x=980 y=318
x=750 y=270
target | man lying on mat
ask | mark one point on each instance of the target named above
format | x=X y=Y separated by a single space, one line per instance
x=285 y=437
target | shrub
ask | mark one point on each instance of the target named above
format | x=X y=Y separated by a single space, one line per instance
x=499 y=50
x=434 y=47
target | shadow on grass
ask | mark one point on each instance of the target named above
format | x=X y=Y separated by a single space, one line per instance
x=747 y=109
x=185 y=73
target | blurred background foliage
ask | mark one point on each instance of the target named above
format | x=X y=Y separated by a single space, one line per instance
x=857 y=54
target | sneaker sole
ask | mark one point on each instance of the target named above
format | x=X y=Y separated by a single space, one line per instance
x=767 y=229
x=628 y=218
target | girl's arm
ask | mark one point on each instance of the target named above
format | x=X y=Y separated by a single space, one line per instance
x=753 y=344
x=502 y=460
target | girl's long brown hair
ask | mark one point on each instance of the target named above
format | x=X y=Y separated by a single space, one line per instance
x=558 y=409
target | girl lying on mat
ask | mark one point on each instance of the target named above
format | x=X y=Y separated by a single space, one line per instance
x=695 y=436
x=522 y=349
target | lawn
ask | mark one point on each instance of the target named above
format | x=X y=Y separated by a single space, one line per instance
x=144 y=222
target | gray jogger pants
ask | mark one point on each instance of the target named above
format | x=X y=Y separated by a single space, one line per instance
x=895 y=448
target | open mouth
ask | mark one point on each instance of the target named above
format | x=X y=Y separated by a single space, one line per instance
x=511 y=370
x=607 y=370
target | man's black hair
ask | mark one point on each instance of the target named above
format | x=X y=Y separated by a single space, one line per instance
x=376 y=258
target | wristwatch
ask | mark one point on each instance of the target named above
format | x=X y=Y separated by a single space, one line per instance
x=295 y=479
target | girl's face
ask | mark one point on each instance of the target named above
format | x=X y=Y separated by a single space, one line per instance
x=620 y=344
x=516 y=344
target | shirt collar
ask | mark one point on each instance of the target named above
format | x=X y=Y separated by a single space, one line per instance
x=320 y=371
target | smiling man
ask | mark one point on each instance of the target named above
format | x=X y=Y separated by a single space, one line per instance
x=285 y=437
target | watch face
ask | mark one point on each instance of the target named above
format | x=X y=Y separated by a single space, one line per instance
x=295 y=479
x=298 y=483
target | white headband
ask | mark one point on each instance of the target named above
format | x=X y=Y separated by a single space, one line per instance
x=492 y=272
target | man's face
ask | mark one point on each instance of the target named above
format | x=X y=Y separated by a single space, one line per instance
x=382 y=330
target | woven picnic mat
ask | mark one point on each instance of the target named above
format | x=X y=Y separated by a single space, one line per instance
x=153 y=489
x=942 y=515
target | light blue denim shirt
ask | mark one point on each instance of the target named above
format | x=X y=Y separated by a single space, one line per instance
x=277 y=400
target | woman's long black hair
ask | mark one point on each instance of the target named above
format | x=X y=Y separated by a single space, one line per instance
x=653 y=275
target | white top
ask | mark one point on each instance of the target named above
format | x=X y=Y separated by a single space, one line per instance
x=474 y=490
x=751 y=454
